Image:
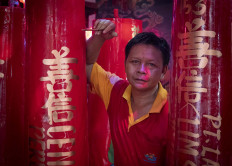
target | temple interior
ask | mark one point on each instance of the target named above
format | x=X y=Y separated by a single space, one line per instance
x=53 y=113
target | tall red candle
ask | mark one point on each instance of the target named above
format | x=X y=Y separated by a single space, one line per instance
x=111 y=58
x=56 y=82
x=13 y=135
x=201 y=84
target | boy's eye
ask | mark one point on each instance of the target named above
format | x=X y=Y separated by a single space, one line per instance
x=151 y=64
x=135 y=61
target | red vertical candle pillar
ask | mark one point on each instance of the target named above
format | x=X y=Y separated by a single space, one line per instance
x=111 y=58
x=201 y=83
x=56 y=82
x=12 y=117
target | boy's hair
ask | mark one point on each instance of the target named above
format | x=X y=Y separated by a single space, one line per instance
x=149 y=38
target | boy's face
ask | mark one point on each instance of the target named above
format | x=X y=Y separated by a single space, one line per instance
x=144 y=67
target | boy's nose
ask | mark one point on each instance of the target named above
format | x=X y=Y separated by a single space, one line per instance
x=142 y=68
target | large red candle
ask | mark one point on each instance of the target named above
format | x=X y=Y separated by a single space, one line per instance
x=13 y=135
x=56 y=82
x=111 y=58
x=201 y=84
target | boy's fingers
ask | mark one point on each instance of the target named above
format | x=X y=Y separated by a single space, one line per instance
x=96 y=23
x=106 y=26
x=110 y=26
x=103 y=24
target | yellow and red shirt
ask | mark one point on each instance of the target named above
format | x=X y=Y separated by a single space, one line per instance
x=140 y=142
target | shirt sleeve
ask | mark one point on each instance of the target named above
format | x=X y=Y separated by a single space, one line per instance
x=102 y=83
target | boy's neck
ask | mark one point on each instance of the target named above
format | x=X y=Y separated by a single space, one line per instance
x=143 y=96
x=141 y=102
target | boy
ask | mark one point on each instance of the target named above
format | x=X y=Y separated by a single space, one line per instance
x=138 y=107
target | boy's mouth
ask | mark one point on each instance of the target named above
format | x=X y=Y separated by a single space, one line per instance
x=141 y=80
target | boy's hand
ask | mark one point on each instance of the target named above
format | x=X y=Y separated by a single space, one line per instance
x=105 y=29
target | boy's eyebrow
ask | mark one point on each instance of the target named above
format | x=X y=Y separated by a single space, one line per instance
x=134 y=58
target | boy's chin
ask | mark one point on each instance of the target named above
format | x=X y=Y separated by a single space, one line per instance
x=140 y=87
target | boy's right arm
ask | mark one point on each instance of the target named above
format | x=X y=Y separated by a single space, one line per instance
x=105 y=29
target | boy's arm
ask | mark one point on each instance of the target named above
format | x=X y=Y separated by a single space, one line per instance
x=105 y=29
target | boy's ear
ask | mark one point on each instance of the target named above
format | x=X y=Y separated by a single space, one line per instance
x=165 y=69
